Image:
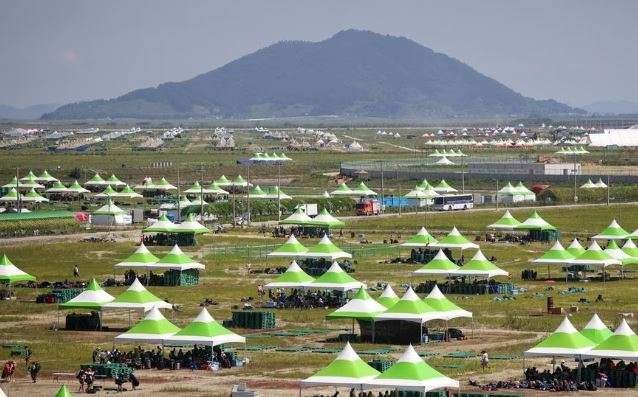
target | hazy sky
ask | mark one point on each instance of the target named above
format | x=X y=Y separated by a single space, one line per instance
x=577 y=51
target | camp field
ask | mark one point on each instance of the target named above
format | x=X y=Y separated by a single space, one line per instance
x=505 y=327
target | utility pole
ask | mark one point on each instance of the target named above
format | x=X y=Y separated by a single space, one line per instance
x=201 y=193
x=382 y=188
x=179 y=210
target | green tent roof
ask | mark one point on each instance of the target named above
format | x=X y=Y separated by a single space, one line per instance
x=293 y=277
x=575 y=248
x=29 y=177
x=214 y=188
x=421 y=239
x=612 y=232
x=622 y=345
x=76 y=188
x=454 y=239
x=424 y=184
x=11 y=196
x=163 y=225
x=63 y=391
x=57 y=187
x=204 y=330
x=142 y=257
x=616 y=252
x=298 y=217
x=440 y=264
x=444 y=187
x=410 y=308
x=348 y=369
x=109 y=209
x=336 y=279
x=326 y=249
x=92 y=298
x=481 y=267
x=555 y=255
x=361 y=306
x=565 y=341
x=534 y=222
x=411 y=373
x=291 y=248
x=108 y=192
x=137 y=297
x=342 y=190
x=153 y=329
x=630 y=248
x=422 y=193
x=96 y=180
x=191 y=225
x=177 y=260
x=388 y=297
x=327 y=220
x=256 y=192
x=596 y=331
x=33 y=196
x=222 y=181
x=115 y=181
x=437 y=301
x=239 y=181
x=9 y=273
x=363 y=190
x=46 y=177
x=594 y=255
x=506 y=222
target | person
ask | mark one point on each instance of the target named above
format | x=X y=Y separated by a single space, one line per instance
x=34 y=369
x=27 y=356
x=134 y=381
x=76 y=271
x=260 y=291
x=119 y=381
x=89 y=378
x=80 y=377
x=485 y=360
x=8 y=370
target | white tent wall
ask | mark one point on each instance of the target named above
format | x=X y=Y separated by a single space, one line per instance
x=615 y=137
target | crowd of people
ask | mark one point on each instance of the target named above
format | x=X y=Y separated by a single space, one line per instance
x=140 y=358
x=298 y=299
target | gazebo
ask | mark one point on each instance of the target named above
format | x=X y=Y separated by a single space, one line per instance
x=596 y=331
x=411 y=373
x=361 y=307
x=153 y=329
x=9 y=273
x=557 y=255
x=565 y=341
x=203 y=331
x=293 y=277
x=92 y=298
x=622 y=345
x=292 y=248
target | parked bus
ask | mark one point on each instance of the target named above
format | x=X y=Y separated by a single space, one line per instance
x=454 y=202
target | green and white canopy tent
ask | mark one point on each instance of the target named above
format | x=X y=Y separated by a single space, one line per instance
x=162 y=225
x=325 y=219
x=46 y=177
x=292 y=248
x=444 y=187
x=29 y=177
x=31 y=183
x=164 y=185
x=63 y=391
x=96 y=180
x=410 y=308
x=479 y=266
x=15 y=184
x=107 y=192
x=557 y=255
x=565 y=341
x=191 y=225
x=92 y=298
x=622 y=345
x=421 y=239
x=616 y=252
x=214 y=188
x=257 y=193
x=275 y=193
x=76 y=188
x=444 y=161
x=196 y=188
x=422 y=193
x=575 y=248
x=436 y=153
x=534 y=222
x=589 y=185
x=141 y=258
x=9 y=273
x=198 y=202
x=114 y=181
x=362 y=307
x=348 y=369
x=10 y=197
x=596 y=331
x=630 y=248
x=58 y=187
x=612 y=232
x=223 y=181
x=175 y=259
x=240 y=182
x=454 y=239
x=147 y=184
x=595 y=256
x=34 y=197
x=424 y=184
x=128 y=193
x=342 y=190
x=335 y=279
x=293 y=277
x=154 y=328
x=298 y=217
x=388 y=297
x=524 y=191
x=326 y=249
x=136 y=297
x=440 y=264
x=448 y=309
x=411 y=373
x=363 y=190
x=601 y=184
x=203 y=330
x=109 y=209
x=506 y=222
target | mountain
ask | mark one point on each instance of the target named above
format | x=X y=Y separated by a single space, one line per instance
x=612 y=107
x=27 y=113
x=352 y=74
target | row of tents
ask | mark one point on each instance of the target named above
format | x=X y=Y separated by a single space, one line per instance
x=323 y=219
x=594 y=341
x=163 y=225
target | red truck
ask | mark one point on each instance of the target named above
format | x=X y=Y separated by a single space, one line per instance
x=368 y=206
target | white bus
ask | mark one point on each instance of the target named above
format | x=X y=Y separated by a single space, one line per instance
x=454 y=202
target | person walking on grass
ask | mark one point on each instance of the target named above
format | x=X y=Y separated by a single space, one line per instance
x=485 y=360
x=76 y=271
x=34 y=370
